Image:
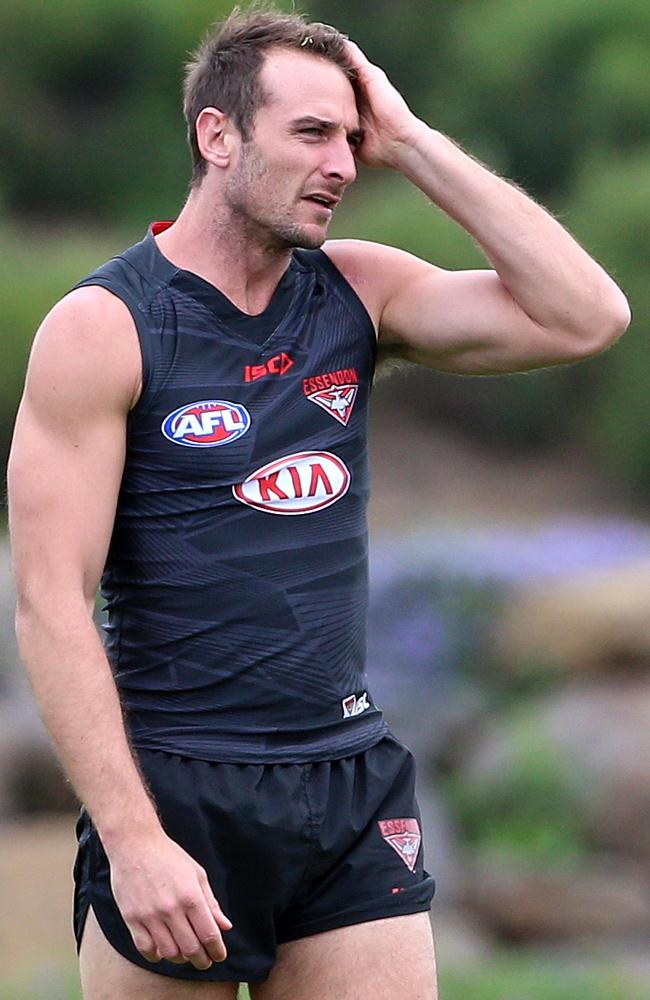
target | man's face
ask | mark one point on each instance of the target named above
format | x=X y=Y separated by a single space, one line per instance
x=301 y=155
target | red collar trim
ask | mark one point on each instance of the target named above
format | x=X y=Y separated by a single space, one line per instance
x=156 y=228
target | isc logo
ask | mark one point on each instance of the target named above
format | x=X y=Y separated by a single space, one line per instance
x=296 y=484
x=206 y=424
x=279 y=364
x=355 y=705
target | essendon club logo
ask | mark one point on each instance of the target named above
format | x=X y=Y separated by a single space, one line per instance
x=404 y=836
x=279 y=364
x=296 y=484
x=206 y=424
x=335 y=392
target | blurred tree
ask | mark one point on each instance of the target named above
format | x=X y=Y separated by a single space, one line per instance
x=611 y=212
x=538 y=86
x=91 y=125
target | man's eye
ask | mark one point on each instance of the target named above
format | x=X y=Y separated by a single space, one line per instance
x=314 y=130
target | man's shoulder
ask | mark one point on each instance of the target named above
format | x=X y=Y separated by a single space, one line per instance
x=88 y=311
x=364 y=254
x=88 y=335
x=369 y=268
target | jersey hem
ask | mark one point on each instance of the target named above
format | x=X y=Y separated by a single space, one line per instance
x=285 y=755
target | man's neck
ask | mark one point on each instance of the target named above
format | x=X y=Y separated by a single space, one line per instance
x=215 y=248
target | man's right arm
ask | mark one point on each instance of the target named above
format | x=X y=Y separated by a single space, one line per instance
x=64 y=476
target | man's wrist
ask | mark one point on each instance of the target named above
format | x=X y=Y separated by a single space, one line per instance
x=407 y=150
x=118 y=829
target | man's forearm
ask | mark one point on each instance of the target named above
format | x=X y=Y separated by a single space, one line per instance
x=545 y=270
x=74 y=687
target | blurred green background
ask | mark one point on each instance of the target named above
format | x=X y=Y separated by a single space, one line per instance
x=554 y=96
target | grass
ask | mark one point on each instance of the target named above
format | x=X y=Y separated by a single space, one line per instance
x=508 y=975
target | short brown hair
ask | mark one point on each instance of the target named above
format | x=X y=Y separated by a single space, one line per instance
x=224 y=71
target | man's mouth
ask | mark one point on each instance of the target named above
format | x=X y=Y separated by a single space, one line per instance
x=327 y=201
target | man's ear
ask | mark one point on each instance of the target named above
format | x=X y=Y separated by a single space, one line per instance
x=216 y=136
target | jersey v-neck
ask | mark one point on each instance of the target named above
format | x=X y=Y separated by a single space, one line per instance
x=258 y=328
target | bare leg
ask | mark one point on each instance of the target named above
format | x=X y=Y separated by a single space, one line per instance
x=106 y=975
x=390 y=959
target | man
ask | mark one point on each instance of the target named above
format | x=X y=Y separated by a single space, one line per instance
x=194 y=419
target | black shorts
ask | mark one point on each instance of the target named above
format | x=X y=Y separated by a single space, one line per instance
x=290 y=850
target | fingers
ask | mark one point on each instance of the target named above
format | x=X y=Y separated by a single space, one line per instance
x=188 y=946
x=192 y=934
x=144 y=942
x=222 y=920
x=177 y=943
x=168 y=905
x=356 y=54
x=205 y=921
x=165 y=941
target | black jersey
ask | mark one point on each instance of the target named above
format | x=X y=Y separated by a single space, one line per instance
x=236 y=580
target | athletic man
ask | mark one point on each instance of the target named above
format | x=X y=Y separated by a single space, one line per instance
x=194 y=420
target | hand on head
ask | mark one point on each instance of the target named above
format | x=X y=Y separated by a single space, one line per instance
x=386 y=119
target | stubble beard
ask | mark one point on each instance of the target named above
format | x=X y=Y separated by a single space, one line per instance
x=245 y=199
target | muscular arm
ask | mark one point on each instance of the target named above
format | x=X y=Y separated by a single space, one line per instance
x=64 y=476
x=546 y=301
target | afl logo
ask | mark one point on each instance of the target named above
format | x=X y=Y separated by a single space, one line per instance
x=296 y=484
x=206 y=424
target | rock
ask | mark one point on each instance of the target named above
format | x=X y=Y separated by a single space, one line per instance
x=440 y=839
x=460 y=938
x=31 y=779
x=597 y=738
x=604 y=897
x=592 y=621
x=605 y=729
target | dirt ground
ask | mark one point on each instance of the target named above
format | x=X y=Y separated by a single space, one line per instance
x=36 y=857
x=428 y=473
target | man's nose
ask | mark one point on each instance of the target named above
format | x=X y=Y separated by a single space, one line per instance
x=340 y=163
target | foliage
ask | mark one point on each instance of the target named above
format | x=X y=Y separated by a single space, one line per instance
x=91 y=125
x=612 y=210
x=528 y=813
x=529 y=977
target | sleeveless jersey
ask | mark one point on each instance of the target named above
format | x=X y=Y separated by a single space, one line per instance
x=236 y=580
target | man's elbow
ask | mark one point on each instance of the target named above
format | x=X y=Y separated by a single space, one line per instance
x=607 y=324
x=27 y=619
x=43 y=613
x=619 y=317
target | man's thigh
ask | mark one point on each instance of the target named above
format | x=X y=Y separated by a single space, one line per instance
x=106 y=975
x=389 y=959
